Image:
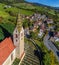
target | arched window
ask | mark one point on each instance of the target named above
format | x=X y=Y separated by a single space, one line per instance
x=11 y=57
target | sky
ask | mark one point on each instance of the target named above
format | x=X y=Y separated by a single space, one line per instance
x=54 y=3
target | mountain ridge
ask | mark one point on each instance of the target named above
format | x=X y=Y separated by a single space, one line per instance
x=38 y=4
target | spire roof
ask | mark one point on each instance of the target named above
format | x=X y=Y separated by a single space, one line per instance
x=19 y=22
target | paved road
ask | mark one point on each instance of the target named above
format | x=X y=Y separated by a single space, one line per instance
x=51 y=46
x=46 y=42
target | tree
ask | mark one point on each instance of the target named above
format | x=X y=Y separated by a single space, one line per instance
x=33 y=35
x=25 y=23
x=30 y=24
x=1 y=35
x=53 y=59
x=47 y=59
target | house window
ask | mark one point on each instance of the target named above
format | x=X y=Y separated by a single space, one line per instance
x=11 y=57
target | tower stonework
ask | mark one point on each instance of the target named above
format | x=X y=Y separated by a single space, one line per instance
x=18 y=38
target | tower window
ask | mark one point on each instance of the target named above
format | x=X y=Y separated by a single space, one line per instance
x=16 y=40
x=16 y=35
x=21 y=34
x=16 y=31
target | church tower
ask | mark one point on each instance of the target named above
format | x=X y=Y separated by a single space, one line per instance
x=18 y=38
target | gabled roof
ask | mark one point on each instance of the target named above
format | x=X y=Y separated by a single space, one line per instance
x=57 y=34
x=6 y=47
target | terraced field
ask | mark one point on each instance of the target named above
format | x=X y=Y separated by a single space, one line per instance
x=30 y=58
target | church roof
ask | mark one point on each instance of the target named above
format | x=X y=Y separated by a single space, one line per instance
x=6 y=47
x=19 y=22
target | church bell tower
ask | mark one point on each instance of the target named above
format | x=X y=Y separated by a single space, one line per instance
x=18 y=38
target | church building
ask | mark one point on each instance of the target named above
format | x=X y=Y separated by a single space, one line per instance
x=10 y=50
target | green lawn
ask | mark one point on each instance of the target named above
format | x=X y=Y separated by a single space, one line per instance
x=4 y=14
x=23 y=5
x=16 y=61
x=8 y=26
x=9 y=21
x=2 y=11
x=26 y=12
x=9 y=14
x=8 y=29
x=2 y=7
x=51 y=12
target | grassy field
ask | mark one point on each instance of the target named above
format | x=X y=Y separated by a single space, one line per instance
x=26 y=12
x=2 y=11
x=4 y=14
x=27 y=9
x=9 y=18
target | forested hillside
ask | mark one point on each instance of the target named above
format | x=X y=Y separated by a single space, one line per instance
x=11 y=1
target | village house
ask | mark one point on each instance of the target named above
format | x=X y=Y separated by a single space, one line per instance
x=39 y=22
x=35 y=26
x=49 y=21
x=35 y=17
x=40 y=34
x=10 y=50
x=52 y=39
x=42 y=30
x=34 y=29
x=27 y=17
x=52 y=27
x=56 y=37
x=26 y=31
x=7 y=6
x=43 y=27
x=43 y=17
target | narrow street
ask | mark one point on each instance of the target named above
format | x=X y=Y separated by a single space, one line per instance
x=51 y=46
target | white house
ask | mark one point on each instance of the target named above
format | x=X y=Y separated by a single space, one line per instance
x=49 y=21
x=56 y=39
x=40 y=33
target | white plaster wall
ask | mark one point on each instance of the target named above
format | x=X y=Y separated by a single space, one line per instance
x=8 y=60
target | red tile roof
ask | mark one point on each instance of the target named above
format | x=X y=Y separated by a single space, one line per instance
x=57 y=34
x=6 y=47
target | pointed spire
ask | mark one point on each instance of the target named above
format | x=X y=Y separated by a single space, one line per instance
x=19 y=22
